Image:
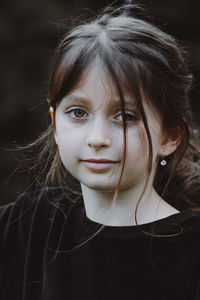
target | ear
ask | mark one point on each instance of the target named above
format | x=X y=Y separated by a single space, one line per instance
x=51 y=110
x=171 y=141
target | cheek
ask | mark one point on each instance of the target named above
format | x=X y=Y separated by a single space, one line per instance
x=67 y=139
x=137 y=144
x=68 y=146
x=137 y=155
x=142 y=136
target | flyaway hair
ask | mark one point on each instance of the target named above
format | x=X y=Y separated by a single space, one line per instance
x=137 y=57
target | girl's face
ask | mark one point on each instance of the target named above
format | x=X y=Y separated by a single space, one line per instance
x=88 y=126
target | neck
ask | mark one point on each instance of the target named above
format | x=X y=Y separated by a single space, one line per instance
x=99 y=206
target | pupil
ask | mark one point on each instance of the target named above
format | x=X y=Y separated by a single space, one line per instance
x=128 y=117
x=78 y=113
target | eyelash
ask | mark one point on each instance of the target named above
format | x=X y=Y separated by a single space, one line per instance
x=73 y=110
x=135 y=118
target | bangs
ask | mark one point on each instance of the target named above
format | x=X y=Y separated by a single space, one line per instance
x=115 y=71
x=71 y=68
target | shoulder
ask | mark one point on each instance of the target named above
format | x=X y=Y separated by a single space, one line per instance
x=190 y=225
x=193 y=223
x=24 y=205
x=32 y=210
x=27 y=227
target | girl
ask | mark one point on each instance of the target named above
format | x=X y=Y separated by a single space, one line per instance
x=121 y=126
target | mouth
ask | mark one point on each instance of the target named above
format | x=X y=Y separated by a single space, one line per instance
x=100 y=161
x=99 y=164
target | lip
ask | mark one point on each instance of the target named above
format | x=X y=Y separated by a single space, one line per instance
x=99 y=164
x=100 y=160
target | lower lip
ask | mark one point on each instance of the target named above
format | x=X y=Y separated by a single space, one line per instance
x=99 y=166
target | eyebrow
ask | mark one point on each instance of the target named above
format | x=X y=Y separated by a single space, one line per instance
x=78 y=99
x=83 y=100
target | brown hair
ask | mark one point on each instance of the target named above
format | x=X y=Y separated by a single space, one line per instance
x=151 y=61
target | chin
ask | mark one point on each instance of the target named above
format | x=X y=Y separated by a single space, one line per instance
x=100 y=187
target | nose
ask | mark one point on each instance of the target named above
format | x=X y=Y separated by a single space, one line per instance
x=99 y=135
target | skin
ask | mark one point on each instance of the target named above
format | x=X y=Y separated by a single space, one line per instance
x=92 y=128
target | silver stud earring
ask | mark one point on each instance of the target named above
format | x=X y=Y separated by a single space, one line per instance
x=163 y=162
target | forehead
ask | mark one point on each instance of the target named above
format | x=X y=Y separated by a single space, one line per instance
x=97 y=77
x=96 y=80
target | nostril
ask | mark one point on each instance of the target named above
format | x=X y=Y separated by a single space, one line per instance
x=97 y=146
x=99 y=141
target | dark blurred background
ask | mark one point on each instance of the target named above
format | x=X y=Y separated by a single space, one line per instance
x=29 y=32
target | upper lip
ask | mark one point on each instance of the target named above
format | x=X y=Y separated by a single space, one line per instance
x=100 y=160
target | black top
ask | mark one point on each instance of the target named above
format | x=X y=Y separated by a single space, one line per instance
x=50 y=250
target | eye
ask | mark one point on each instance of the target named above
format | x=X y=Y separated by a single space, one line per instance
x=130 y=117
x=76 y=113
